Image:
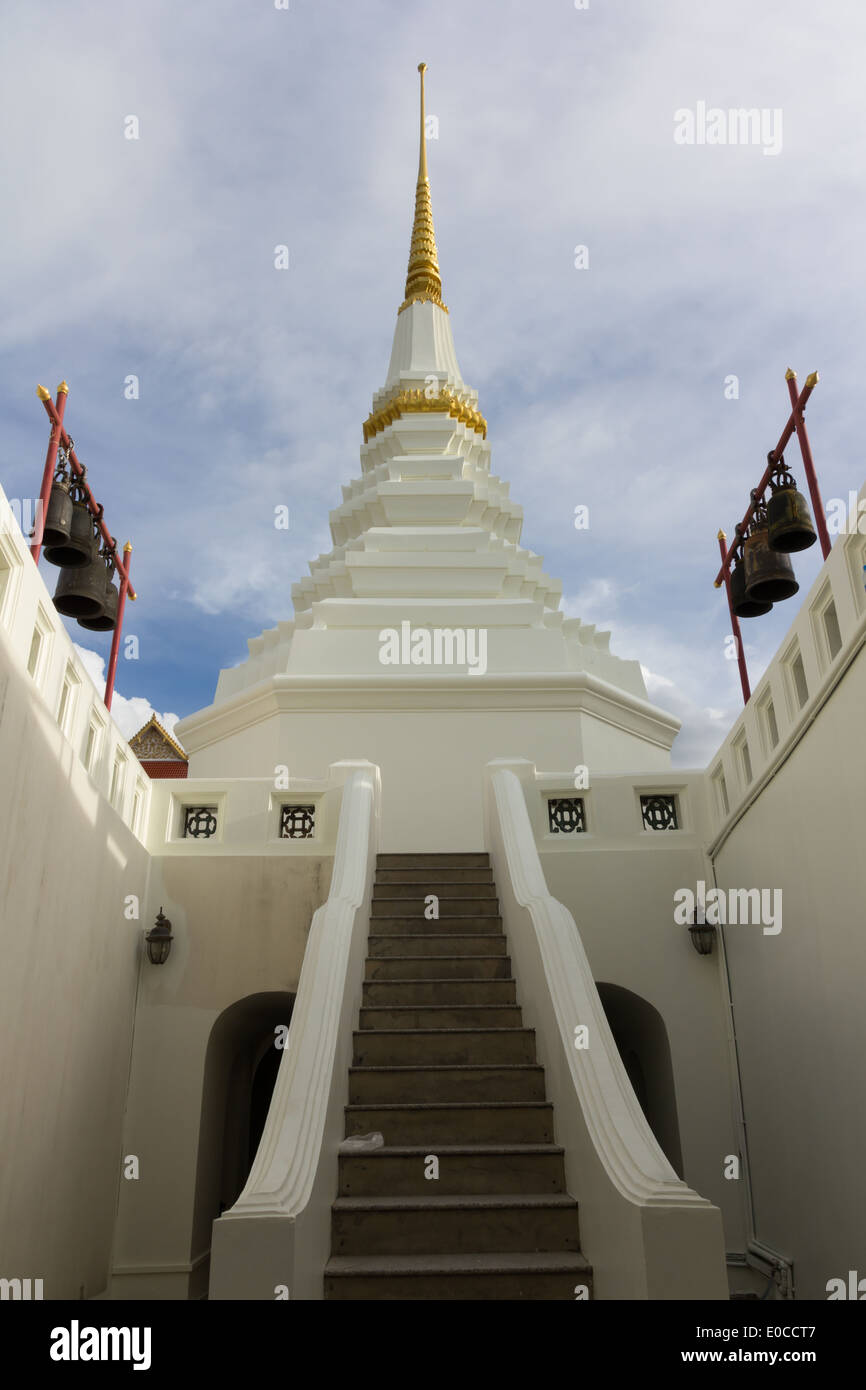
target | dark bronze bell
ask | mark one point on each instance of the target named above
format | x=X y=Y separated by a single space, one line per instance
x=769 y=574
x=58 y=515
x=80 y=548
x=106 y=621
x=743 y=606
x=789 y=520
x=80 y=591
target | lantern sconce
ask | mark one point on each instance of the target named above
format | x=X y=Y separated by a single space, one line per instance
x=159 y=940
x=702 y=935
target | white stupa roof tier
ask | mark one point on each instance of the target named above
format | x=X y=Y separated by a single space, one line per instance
x=426 y=534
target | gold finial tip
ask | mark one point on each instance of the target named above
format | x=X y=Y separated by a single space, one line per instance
x=721 y=536
x=812 y=379
x=63 y=387
x=43 y=394
x=422 y=67
x=790 y=374
x=127 y=548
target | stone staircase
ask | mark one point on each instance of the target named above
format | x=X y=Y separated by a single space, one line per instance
x=444 y=1069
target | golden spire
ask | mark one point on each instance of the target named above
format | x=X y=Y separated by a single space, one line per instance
x=423 y=280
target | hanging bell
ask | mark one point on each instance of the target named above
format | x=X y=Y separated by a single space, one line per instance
x=106 y=621
x=58 y=515
x=80 y=547
x=80 y=591
x=743 y=606
x=788 y=517
x=769 y=573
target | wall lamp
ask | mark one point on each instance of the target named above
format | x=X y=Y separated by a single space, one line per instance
x=159 y=940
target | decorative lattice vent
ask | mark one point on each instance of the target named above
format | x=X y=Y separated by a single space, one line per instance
x=199 y=822
x=297 y=822
x=659 y=812
x=566 y=815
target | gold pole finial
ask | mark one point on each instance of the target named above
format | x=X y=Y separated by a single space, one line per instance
x=423 y=280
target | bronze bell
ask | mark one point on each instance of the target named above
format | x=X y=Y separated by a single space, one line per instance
x=788 y=517
x=769 y=573
x=106 y=621
x=743 y=606
x=80 y=591
x=58 y=515
x=80 y=548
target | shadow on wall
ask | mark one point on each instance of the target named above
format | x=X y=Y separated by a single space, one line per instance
x=240 y=1071
x=641 y=1037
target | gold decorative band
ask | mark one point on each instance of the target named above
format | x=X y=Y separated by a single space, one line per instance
x=407 y=402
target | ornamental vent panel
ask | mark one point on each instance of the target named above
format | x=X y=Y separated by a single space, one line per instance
x=566 y=815
x=297 y=822
x=659 y=812
x=199 y=822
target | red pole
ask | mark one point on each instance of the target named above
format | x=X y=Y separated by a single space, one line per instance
x=799 y=404
x=115 y=641
x=50 y=462
x=808 y=463
x=735 y=622
x=78 y=469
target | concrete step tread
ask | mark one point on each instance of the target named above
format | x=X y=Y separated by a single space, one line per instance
x=414 y=1033
x=501 y=1150
x=409 y=858
x=451 y=1066
x=413 y=960
x=455 y=883
x=430 y=936
x=541 y=1262
x=498 y=1201
x=411 y=1008
x=451 y=1105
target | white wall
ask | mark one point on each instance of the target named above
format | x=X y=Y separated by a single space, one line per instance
x=68 y=860
x=798 y=825
x=618 y=880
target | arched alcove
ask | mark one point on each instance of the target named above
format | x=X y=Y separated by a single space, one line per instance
x=241 y=1065
x=642 y=1039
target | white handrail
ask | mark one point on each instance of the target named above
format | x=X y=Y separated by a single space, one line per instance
x=297 y=1154
x=639 y=1220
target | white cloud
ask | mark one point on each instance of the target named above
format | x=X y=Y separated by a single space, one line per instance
x=129 y=713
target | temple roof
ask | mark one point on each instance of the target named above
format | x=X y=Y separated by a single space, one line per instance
x=153 y=743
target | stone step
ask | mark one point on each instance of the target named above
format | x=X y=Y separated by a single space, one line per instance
x=474 y=860
x=411 y=1016
x=437 y=1225
x=436 y=991
x=448 y=907
x=443 y=1047
x=449 y=892
x=415 y=967
x=385 y=925
x=400 y=1084
x=555 y=1275
x=487 y=1122
x=467 y=1168
x=433 y=875
x=443 y=944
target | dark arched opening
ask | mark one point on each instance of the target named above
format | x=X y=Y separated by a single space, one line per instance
x=240 y=1071
x=641 y=1037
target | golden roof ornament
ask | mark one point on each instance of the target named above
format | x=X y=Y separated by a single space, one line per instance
x=423 y=280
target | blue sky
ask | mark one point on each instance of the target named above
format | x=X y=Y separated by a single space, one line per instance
x=602 y=387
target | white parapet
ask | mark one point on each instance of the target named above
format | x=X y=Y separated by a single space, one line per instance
x=277 y=1235
x=645 y=1232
